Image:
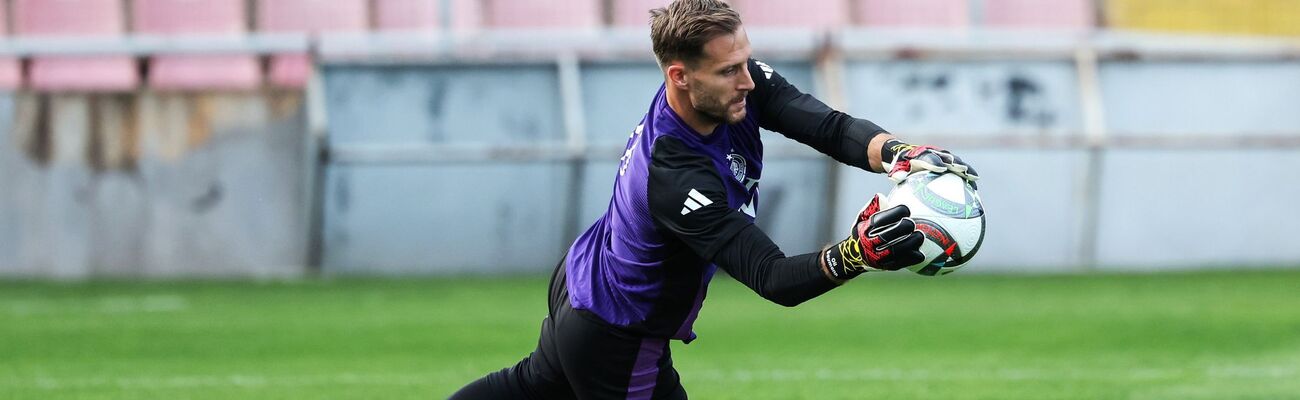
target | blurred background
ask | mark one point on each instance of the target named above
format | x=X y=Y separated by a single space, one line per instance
x=289 y=138
x=181 y=181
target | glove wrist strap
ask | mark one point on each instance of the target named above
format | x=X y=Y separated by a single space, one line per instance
x=844 y=259
x=889 y=153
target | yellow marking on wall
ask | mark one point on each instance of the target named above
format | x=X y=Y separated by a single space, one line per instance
x=1250 y=17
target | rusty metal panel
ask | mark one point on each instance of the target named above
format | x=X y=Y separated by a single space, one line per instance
x=145 y=185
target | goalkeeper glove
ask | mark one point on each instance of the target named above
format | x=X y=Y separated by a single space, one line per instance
x=879 y=241
x=901 y=160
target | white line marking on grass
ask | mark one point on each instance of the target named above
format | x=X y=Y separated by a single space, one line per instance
x=237 y=380
x=998 y=374
x=1004 y=374
x=23 y=308
x=1239 y=371
x=145 y=304
x=101 y=305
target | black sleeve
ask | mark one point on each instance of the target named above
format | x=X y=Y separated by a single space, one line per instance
x=688 y=201
x=783 y=109
x=754 y=260
x=687 y=198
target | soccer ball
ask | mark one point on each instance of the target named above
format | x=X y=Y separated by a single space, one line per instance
x=948 y=211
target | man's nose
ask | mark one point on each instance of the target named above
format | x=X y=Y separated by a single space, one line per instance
x=747 y=82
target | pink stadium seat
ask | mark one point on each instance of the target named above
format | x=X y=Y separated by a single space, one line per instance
x=634 y=13
x=466 y=15
x=312 y=16
x=205 y=72
x=11 y=73
x=912 y=13
x=289 y=70
x=407 y=15
x=72 y=73
x=525 y=14
x=189 y=16
x=201 y=17
x=1064 y=14
x=818 y=14
x=75 y=18
x=306 y=16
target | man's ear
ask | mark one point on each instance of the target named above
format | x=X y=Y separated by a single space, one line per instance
x=677 y=75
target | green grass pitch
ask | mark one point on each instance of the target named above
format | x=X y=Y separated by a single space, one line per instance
x=1207 y=335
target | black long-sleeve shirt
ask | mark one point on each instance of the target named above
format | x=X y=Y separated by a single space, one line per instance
x=684 y=203
x=751 y=257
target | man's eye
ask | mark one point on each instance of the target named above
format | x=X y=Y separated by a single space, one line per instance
x=729 y=71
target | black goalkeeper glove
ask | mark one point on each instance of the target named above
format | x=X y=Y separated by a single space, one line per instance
x=880 y=241
x=901 y=160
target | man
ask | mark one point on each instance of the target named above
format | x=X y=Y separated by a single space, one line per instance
x=684 y=202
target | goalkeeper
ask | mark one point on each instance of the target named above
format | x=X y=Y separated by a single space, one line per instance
x=684 y=201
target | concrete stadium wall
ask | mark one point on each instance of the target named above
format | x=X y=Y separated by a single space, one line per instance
x=1158 y=209
x=152 y=185
x=166 y=185
x=495 y=216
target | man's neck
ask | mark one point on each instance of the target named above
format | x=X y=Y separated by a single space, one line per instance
x=680 y=102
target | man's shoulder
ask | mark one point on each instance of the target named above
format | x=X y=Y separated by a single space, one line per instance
x=671 y=152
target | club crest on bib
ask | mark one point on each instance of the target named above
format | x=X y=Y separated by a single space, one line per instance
x=738 y=166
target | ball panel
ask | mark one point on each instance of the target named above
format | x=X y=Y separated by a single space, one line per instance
x=929 y=194
x=949 y=213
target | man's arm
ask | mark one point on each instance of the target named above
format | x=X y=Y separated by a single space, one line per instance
x=874 y=153
x=784 y=109
x=755 y=261
x=687 y=200
x=881 y=240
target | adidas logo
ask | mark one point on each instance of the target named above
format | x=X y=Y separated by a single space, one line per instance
x=767 y=69
x=694 y=200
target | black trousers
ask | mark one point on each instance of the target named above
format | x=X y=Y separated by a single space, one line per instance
x=580 y=356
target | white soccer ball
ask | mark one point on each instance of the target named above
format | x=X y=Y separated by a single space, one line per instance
x=948 y=211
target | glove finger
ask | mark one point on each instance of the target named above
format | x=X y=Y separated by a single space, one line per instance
x=889 y=234
x=898 y=176
x=873 y=206
x=946 y=155
x=970 y=176
x=904 y=253
x=909 y=243
x=908 y=251
x=961 y=167
x=890 y=216
x=930 y=161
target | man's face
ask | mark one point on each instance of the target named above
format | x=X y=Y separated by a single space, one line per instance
x=720 y=79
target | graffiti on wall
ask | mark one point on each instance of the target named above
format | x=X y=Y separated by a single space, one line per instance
x=960 y=98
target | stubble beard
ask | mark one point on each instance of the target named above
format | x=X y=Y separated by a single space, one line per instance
x=713 y=109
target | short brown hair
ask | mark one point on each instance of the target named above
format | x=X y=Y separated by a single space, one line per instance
x=680 y=30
